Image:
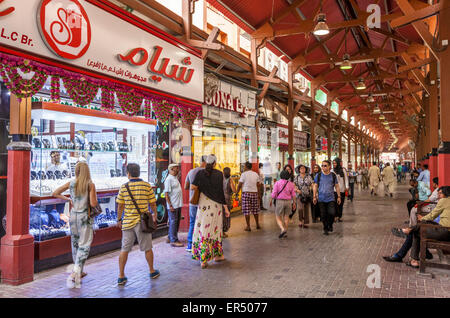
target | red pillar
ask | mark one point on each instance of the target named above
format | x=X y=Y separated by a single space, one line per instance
x=291 y=162
x=433 y=166
x=444 y=165
x=17 y=246
x=313 y=162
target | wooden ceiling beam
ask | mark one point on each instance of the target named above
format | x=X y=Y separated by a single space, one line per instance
x=308 y=25
x=419 y=14
x=419 y=26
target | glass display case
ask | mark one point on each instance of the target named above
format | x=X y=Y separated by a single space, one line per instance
x=64 y=135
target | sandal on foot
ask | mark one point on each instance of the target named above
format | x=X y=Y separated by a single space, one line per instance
x=122 y=281
x=204 y=265
x=248 y=229
x=155 y=274
x=282 y=234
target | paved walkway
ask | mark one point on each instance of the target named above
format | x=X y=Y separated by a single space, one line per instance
x=306 y=264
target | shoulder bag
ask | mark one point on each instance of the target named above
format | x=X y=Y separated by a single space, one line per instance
x=147 y=224
x=93 y=211
x=275 y=200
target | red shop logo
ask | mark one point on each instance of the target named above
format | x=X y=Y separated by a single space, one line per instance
x=6 y=11
x=65 y=27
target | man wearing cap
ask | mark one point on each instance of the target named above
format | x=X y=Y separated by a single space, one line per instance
x=174 y=199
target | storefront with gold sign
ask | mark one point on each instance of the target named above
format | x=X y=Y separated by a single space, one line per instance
x=228 y=126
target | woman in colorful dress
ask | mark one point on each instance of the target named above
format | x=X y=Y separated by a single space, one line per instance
x=208 y=231
x=303 y=183
x=82 y=193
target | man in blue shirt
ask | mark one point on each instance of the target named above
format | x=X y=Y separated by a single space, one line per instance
x=324 y=184
x=424 y=175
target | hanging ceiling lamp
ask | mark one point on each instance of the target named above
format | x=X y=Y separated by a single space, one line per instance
x=346 y=65
x=361 y=84
x=321 y=27
x=370 y=99
x=381 y=117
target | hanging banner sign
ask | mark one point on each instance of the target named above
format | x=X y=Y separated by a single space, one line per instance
x=300 y=138
x=82 y=34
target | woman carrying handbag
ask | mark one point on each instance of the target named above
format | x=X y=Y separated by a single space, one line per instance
x=83 y=196
x=283 y=196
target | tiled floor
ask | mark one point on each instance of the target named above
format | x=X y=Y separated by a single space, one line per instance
x=306 y=264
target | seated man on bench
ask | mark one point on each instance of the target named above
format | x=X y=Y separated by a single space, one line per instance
x=433 y=200
x=442 y=210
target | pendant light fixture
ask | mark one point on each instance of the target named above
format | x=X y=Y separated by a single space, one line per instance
x=321 y=27
x=370 y=99
x=361 y=84
x=346 y=65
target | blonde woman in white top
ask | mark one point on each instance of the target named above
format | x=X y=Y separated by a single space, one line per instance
x=82 y=193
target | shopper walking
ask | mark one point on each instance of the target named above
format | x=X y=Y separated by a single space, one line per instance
x=284 y=195
x=365 y=178
x=325 y=184
x=228 y=189
x=192 y=207
x=352 y=178
x=303 y=187
x=374 y=178
x=82 y=194
x=399 y=173
x=388 y=179
x=207 y=238
x=261 y=189
x=249 y=183
x=277 y=172
x=174 y=199
x=342 y=176
x=315 y=210
x=289 y=169
x=268 y=173
x=133 y=200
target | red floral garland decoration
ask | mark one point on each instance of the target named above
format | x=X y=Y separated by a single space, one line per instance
x=176 y=112
x=163 y=110
x=130 y=101
x=189 y=115
x=107 y=99
x=81 y=91
x=55 y=89
x=148 y=109
x=22 y=88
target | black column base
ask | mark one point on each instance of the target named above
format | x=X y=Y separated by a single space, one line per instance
x=445 y=148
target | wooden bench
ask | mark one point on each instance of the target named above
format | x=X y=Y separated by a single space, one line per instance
x=425 y=243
